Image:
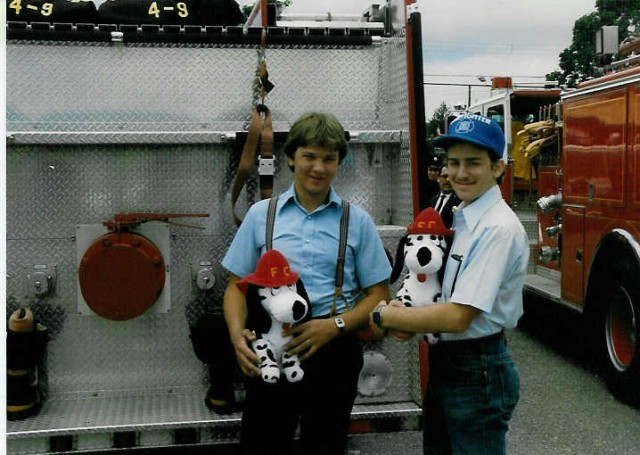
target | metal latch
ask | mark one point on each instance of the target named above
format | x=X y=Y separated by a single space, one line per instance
x=41 y=279
x=117 y=37
x=205 y=275
x=266 y=165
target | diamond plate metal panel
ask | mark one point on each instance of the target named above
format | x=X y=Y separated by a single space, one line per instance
x=132 y=87
x=65 y=186
x=394 y=83
x=90 y=85
x=169 y=409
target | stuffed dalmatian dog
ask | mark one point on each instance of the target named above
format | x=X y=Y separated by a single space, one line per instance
x=423 y=251
x=276 y=298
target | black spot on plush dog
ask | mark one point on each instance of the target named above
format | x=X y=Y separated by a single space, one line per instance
x=276 y=298
x=423 y=251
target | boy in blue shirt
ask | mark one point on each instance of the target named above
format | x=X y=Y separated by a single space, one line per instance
x=307 y=232
x=473 y=383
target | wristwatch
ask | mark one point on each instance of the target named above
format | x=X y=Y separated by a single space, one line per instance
x=377 y=315
x=340 y=324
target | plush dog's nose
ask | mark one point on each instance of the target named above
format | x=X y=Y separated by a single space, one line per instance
x=424 y=256
x=299 y=310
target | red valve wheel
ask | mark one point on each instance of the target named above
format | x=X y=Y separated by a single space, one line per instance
x=121 y=275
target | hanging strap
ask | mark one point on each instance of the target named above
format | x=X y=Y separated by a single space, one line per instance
x=342 y=246
x=260 y=132
x=271 y=219
x=342 y=250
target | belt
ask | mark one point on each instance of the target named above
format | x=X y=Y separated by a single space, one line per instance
x=470 y=344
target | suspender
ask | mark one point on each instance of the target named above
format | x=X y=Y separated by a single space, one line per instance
x=342 y=247
x=271 y=219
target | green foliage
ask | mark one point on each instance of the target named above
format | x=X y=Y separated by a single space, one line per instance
x=578 y=62
x=437 y=120
x=246 y=11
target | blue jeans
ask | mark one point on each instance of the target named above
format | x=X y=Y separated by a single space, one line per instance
x=472 y=391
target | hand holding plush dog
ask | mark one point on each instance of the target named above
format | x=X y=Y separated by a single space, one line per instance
x=423 y=251
x=276 y=299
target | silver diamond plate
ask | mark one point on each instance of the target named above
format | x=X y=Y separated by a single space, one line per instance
x=102 y=87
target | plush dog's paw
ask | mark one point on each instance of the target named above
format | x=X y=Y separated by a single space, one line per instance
x=294 y=374
x=291 y=368
x=270 y=374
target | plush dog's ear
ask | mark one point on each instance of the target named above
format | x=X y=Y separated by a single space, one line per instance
x=302 y=291
x=258 y=319
x=399 y=263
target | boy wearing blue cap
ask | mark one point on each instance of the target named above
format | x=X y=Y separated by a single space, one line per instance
x=473 y=383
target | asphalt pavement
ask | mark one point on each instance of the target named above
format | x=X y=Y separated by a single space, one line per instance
x=564 y=406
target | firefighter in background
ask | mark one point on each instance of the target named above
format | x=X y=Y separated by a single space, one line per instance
x=473 y=384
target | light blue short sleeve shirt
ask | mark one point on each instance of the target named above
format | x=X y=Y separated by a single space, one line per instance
x=487 y=264
x=310 y=241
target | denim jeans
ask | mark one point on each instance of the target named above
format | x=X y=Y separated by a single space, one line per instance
x=472 y=391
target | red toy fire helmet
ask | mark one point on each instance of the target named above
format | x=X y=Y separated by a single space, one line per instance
x=272 y=270
x=428 y=221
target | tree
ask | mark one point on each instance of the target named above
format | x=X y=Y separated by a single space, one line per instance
x=578 y=62
x=436 y=122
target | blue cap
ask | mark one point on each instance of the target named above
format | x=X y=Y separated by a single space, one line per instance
x=476 y=129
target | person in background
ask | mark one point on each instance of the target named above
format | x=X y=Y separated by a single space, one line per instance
x=430 y=187
x=446 y=199
x=433 y=170
x=473 y=384
x=307 y=232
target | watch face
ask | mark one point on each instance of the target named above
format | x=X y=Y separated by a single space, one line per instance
x=377 y=318
x=339 y=322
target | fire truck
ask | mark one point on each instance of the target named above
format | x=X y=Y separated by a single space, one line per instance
x=122 y=145
x=588 y=237
x=573 y=179
x=512 y=106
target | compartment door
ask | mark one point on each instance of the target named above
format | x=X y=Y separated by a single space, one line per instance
x=572 y=260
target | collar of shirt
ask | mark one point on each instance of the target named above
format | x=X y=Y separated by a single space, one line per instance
x=289 y=196
x=473 y=212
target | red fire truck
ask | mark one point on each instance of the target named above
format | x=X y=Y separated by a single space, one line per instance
x=589 y=220
x=513 y=106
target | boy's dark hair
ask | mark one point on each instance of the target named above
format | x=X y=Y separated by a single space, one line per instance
x=493 y=161
x=317 y=129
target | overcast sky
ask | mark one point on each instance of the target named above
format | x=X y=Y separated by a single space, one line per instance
x=464 y=39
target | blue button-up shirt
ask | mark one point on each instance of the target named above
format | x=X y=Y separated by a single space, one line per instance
x=487 y=264
x=310 y=242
